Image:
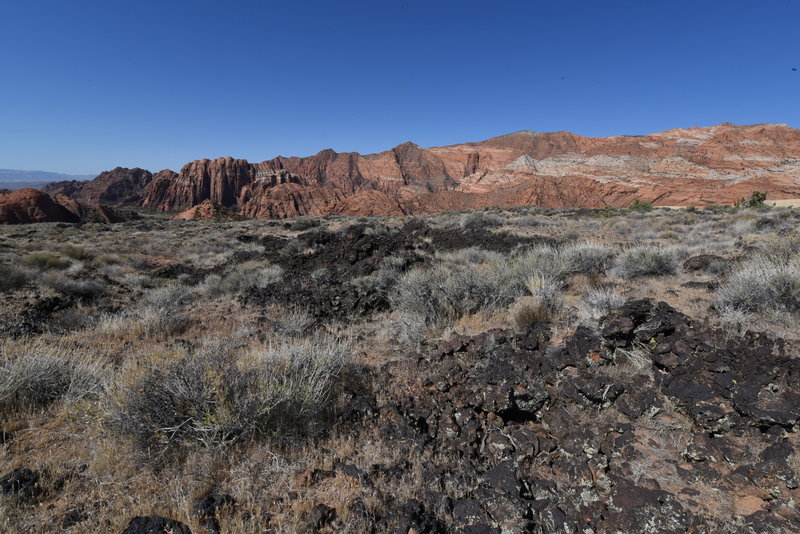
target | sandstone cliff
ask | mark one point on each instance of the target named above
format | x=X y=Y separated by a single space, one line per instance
x=690 y=166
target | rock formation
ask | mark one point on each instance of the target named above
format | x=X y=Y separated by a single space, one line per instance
x=118 y=187
x=206 y=210
x=691 y=166
x=32 y=206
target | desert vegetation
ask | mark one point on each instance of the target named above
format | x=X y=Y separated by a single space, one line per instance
x=512 y=369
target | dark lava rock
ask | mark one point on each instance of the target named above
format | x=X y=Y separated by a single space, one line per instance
x=320 y=516
x=155 y=525
x=22 y=484
x=410 y=515
x=72 y=518
x=542 y=438
x=206 y=507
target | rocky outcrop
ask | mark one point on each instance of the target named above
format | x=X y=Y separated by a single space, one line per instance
x=219 y=180
x=33 y=206
x=95 y=212
x=206 y=210
x=265 y=201
x=118 y=187
x=691 y=166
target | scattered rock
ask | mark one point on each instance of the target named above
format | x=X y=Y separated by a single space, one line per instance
x=155 y=525
x=320 y=516
x=21 y=484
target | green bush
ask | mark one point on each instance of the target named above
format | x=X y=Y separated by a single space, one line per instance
x=638 y=205
x=757 y=200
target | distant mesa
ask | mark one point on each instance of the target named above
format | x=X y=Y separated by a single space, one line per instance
x=680 y=167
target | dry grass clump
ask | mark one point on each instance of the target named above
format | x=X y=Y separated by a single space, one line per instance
x=763 y=284
x=225 y=394
x=84 y=288
x=471 y=280
x=244 y=276
x=35 y=375
x=478 y=220
x=12 y=278
x=158 y=313
x=75 y=252
x=44 y=261
x=597 y=303
x=646 y=260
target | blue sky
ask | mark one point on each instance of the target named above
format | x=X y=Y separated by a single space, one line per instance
x=87 y=85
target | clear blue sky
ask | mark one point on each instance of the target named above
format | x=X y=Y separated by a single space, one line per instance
x=89 y=85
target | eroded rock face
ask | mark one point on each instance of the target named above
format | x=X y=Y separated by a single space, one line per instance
x=30 y=206
x=219 y=180
x=691 y=166
x=33 y=206
x=266 y=201
x=95 y=212
x=120 y=186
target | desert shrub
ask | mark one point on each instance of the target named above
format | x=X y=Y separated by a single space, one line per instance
x=44 y=261
x=292 y=322
x=756 y=200
x=558 y=263
x=218 y=397
x=83 y=288
x=638 y=205
x=159 y=312
x=69 y=320
x=597 y=303
x=11 y=278
x=527 y=313
x=33 y=377
x=445 y=292
x=587 y=258
x=781 y=249
x=477 y=220
x=546 y=291
x=242 y=277
x=531 y=220
x=303 y=223
x=75 y=252
x=646 y=261
x=763 y=284
x=466 y=281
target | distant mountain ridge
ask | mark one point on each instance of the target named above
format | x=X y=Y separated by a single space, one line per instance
x=685 y=166
x=16 y=179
